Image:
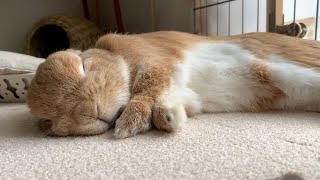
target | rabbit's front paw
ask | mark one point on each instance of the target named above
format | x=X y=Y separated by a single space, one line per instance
x=168 y=119
x=132 y=121
x=127 y=127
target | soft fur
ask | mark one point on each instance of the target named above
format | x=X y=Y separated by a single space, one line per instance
x=158 y=79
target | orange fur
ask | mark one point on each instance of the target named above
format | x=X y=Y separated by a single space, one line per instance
x=261 y=75
x=305 y=52
x=59 y=92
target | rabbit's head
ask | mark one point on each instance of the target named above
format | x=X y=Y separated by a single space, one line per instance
x=79 y=93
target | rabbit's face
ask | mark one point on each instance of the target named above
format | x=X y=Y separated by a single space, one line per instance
x=79 y=93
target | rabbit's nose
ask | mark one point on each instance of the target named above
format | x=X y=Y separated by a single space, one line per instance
x=45 y=125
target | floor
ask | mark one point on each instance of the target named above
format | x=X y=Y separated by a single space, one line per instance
x=220 y=146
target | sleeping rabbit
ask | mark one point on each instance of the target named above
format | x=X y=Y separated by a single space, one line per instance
x=135 y=82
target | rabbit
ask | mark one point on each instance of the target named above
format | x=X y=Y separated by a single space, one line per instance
x=159 y=79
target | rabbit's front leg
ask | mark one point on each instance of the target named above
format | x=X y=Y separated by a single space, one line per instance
x=149 y=83
x=135 y=118
x=140 y=114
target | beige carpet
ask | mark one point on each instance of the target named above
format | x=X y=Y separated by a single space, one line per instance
x=219 y=146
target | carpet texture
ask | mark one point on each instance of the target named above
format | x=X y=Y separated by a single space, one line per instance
x=269 y=145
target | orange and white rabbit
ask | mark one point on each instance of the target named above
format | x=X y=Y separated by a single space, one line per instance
x=158 y=79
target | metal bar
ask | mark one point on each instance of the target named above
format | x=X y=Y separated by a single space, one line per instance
x=274 y=17
x=258 y=14
x=229 y=19
x=218 y=20
x=317 y=17
x=194 y=17
x=215 y=4
x=242 y=27
x=207 y=19
x=200 y=18
x=294 y=16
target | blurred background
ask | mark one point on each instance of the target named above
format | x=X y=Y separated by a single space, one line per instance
x=20 y=19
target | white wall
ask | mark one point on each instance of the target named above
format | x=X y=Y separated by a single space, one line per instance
x=18 y=16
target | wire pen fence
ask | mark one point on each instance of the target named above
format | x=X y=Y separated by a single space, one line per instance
x=231 y=17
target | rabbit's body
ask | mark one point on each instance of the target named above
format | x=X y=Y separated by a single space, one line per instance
x=165 y=76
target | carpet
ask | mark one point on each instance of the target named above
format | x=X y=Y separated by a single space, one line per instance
x=271 y=145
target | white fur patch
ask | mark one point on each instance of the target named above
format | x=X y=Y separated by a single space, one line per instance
x=124 y=96
x=300 y=84
x=81 y=69
x=220 y=74
x=125 y=71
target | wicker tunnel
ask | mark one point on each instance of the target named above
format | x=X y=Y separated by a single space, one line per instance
x=58 y=32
